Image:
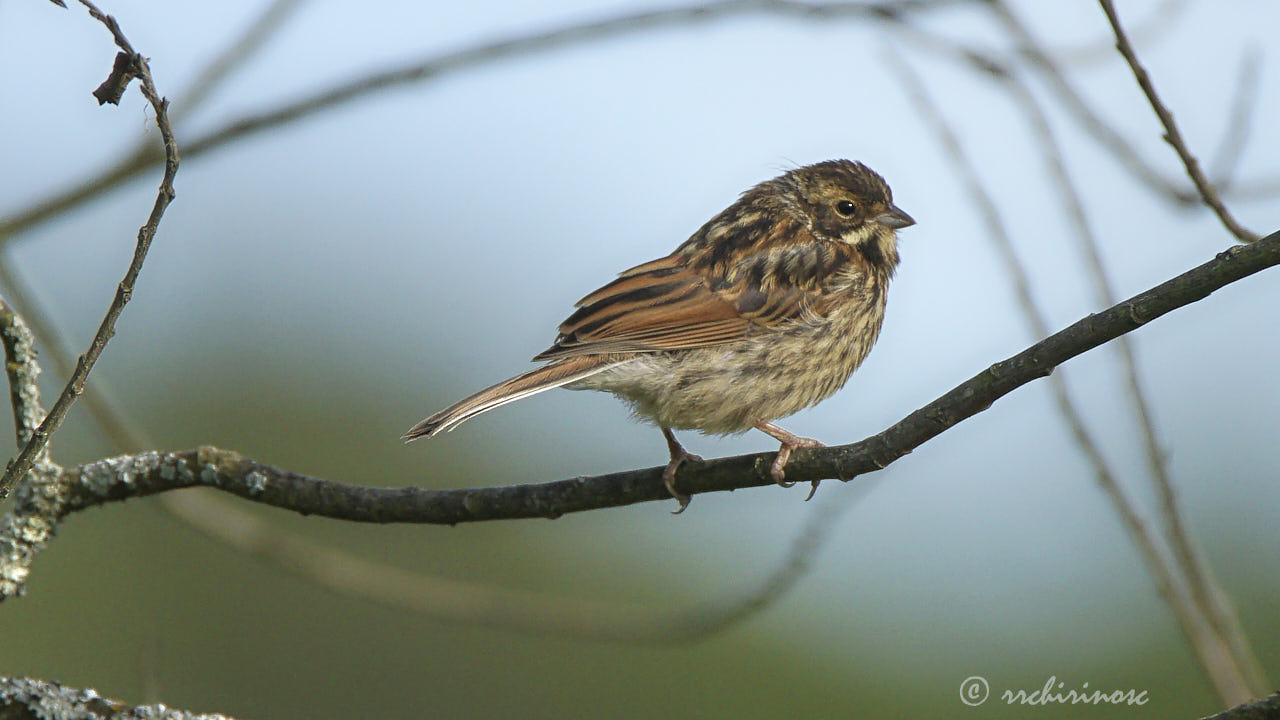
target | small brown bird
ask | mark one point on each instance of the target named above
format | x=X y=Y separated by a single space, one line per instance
x=766 y=310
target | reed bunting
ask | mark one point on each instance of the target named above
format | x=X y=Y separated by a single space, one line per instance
x=766 y=310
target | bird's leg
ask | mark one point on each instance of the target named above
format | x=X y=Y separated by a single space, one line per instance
x=678 y=456
x=789 y=442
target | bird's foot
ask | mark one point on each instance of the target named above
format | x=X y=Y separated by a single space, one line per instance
x=779 y=467
x=790 y=441
x=669 y=479
x=679 y=456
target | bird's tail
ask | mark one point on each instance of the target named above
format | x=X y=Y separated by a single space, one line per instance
x=552 y=375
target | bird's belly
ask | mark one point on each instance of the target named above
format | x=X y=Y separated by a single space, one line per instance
x=728 y=388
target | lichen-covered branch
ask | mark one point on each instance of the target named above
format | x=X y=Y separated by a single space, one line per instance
x=148 y=473
x=30 y=699
x=26 y=529
x=23 y=373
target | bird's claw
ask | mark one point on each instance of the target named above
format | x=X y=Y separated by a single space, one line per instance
x=813 y=490
x=778 y=469
x=669 y=479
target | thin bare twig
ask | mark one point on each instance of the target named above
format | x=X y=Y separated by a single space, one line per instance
x=75 y=384
x=1211 y=648
x=1171 y=134
x=440 y=65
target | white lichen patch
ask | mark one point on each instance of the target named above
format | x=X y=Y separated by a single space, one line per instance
x=12 y=579
x=99 y=478
x=256 y=482
x=24 y=373
x=32 y=529
x=21 y=537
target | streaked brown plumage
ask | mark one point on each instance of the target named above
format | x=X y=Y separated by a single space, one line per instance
x=765 y=310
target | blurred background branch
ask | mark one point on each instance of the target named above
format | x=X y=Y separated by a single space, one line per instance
x=1219 y=647
x=435 y=67
x=430 y=68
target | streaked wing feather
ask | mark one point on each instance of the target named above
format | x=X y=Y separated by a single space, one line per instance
x=672 y=303
x=637 y=277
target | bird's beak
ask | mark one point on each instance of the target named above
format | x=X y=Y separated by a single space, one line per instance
x=894 y=218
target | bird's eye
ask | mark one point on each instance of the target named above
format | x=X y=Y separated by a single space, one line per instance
x=846 y=208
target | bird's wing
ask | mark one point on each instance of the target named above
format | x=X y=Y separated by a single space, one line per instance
x=686 y=300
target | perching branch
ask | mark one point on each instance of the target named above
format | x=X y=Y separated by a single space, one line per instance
x=133 y=65
x=153 y=472
x=1171 y=133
